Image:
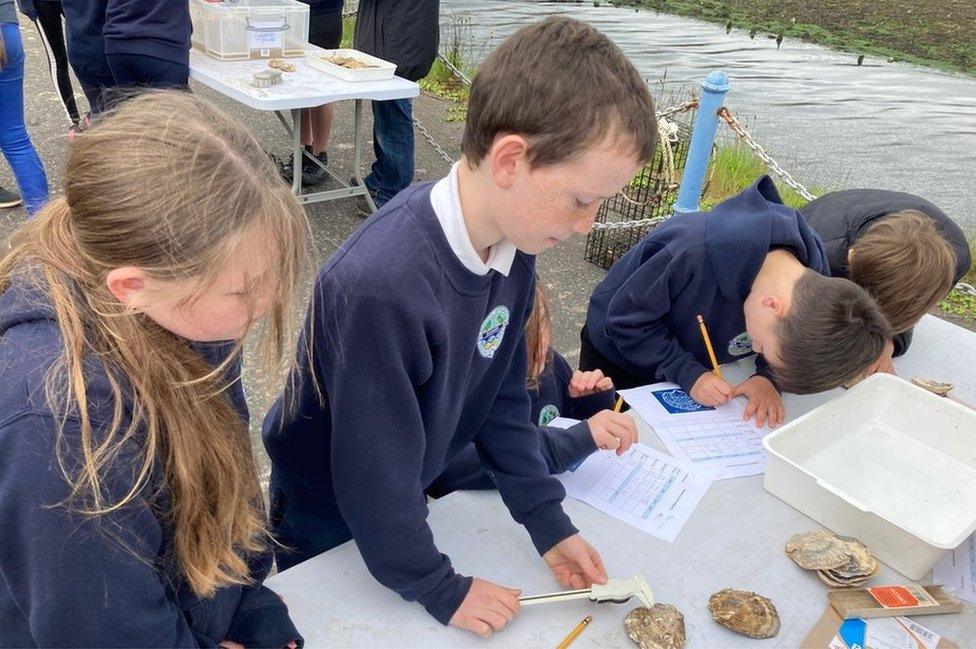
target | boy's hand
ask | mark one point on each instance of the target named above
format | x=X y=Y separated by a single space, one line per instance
x=486 y=608
x=613 y=431
x=586 y=383
x=711 y=390
x=765 y=401
x=575 y=563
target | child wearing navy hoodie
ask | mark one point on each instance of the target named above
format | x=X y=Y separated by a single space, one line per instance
x=130 y=506
x=757 y=273
x=555 y=390
x=413 y=346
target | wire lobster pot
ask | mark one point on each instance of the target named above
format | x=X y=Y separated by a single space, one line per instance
x=650 y=195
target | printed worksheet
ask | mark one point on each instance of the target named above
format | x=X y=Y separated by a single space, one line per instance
x=956 y=570
x=715 y=439
x=643 y=487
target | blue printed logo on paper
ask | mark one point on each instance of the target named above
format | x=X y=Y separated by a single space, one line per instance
x=678 y=401
x=853 y=632
x=492 y=331
x=740 y=345
x=547 y=414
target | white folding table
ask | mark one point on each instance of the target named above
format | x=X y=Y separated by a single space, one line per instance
x=306 y=87
x=734 y=539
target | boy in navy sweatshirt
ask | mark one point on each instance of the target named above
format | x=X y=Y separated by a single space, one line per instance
x=555 y=390
x=904 y=250
x=755 y=271
x=414 y=348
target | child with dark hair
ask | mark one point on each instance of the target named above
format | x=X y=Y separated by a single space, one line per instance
x=414 y=346
x=754 y=270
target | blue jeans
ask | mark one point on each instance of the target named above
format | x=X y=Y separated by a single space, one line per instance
x=14 y=140
x=393 y=146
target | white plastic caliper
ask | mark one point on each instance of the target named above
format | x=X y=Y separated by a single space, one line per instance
x=615 y=590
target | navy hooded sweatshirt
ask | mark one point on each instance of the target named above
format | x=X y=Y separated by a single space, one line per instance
x=561 y=447
x=414 y=357
x=157 y=28
x=840 y=218
x=643 y=315
x=69 y=580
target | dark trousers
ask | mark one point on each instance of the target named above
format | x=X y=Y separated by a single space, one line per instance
x=86 y=48
x=393 y=146
x=48 y=25
x=592 y=359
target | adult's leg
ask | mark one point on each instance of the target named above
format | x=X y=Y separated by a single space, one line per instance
x=86 y=48
x=49 y=28
x=393 y=146
x=14 y=140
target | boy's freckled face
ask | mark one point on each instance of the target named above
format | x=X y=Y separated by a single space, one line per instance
x=553 y=202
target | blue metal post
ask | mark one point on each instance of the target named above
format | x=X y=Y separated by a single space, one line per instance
x=714 y=87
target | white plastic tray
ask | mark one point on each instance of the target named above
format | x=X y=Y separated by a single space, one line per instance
x=383 y=69
x=888 y=463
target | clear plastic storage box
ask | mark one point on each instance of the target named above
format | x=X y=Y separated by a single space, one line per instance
x=888 y=463
x=231 y=30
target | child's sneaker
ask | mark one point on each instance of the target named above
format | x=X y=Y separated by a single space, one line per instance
x=9 y=198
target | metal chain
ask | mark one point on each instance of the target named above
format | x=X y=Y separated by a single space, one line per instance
x=784 y=175
x=432 y=142
x=450 y=66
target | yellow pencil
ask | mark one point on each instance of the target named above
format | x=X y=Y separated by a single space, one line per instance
x=619 y=404
x=574 y=633
x=708 y=346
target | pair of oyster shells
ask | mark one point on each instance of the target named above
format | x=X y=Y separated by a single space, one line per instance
x=840 y=561
x=663 y=627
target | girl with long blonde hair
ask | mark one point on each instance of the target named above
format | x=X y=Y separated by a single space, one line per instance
x=129 y=501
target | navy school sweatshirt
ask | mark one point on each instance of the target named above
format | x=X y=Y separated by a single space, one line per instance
x=840 y=218
x=561 y=448
x=415 y=357
x=68 y=580
x=643 y=315
x=157 y=28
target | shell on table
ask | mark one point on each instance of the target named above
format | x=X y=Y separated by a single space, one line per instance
x=935 y=387
x=745 y=612
x=661 y=626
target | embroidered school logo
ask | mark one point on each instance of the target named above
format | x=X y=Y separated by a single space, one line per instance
x=741 y=344
x=678 y=401
x=547 y=414
x=492 y=331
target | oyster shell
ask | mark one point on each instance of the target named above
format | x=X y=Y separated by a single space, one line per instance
x=817 y=550
x=281 y=64
x=745 y=612
x=660 y=627
x=935 y=387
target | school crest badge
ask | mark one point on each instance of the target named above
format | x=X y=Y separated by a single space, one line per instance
x=740 y=345
x=547 y=414
x=493 y=330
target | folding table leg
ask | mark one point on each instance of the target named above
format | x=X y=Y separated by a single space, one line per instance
x=357 y=155
x=297 y=160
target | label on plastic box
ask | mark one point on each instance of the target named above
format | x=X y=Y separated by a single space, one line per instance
x=265 y=34
x=902 y=596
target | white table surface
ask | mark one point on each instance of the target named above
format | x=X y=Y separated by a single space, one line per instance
x=734 y=539
x=303 y=88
